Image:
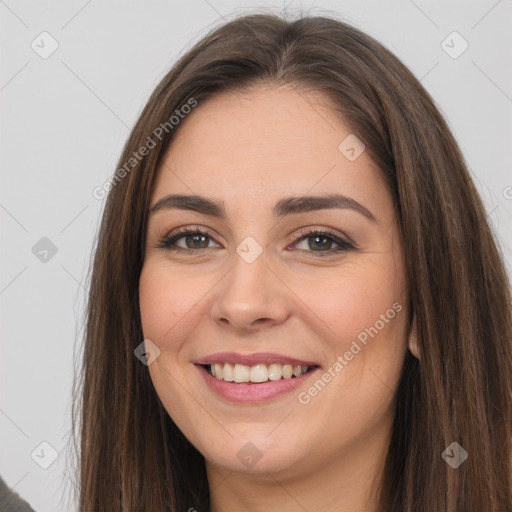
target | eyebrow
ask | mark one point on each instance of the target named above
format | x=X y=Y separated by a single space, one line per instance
x=285 y=206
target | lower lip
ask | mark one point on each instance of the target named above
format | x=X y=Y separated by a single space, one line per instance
x=249 y=392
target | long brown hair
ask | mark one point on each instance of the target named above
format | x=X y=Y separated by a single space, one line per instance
x=132 y=457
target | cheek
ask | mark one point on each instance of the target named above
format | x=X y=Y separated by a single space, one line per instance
x=166 y=309
x=364 y=311
x=157 y=304
x=353 y=299
x=361 y=315
x=167 y=300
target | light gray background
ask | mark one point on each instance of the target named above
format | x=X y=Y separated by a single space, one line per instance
x=64 y=120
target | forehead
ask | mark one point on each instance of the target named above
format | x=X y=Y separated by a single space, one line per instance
x=262 y=144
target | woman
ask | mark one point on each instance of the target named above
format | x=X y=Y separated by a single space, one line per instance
x=296 y=301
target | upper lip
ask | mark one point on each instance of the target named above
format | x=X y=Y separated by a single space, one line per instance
x=252 y=359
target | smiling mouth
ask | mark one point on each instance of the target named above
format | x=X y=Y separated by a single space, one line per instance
x=257 y=374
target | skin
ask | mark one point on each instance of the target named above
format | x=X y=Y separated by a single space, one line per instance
x=250 y=150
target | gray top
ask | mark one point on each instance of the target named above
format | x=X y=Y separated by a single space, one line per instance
x=10 y=501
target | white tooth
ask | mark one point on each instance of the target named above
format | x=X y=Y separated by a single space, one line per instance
x=258 y=373
x=217 y=370
x=287 y=371
x=212 y=370
x=228 y=372
x=275 y=372
x=241 y=373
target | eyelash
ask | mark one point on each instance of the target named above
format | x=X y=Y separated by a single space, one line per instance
x=168 y=241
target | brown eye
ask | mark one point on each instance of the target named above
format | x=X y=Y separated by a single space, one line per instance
x=195 y=239
x=322 y=241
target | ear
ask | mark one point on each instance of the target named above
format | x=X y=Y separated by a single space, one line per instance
x=413 y=340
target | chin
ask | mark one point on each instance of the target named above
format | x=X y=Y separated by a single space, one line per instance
x=253 y=461
x=255 y=453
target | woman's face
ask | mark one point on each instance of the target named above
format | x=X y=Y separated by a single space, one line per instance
x=335 y=300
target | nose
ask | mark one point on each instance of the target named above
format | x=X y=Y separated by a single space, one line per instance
x=250 y=297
